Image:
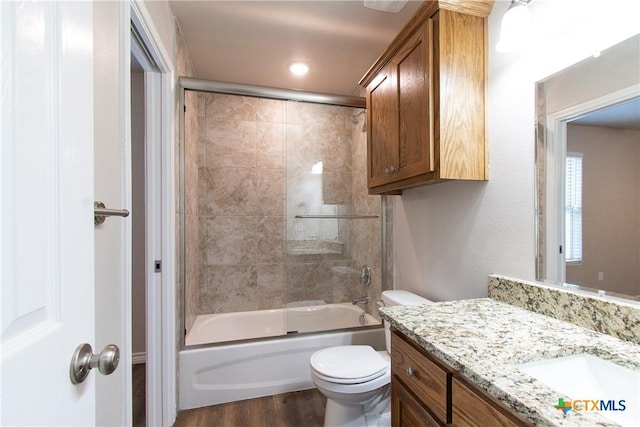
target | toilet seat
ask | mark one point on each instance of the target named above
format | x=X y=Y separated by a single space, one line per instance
x=348 y=364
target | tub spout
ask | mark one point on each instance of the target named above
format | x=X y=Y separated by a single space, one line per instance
x=361 y=300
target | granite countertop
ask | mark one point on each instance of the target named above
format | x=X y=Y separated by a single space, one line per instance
x=485 y=340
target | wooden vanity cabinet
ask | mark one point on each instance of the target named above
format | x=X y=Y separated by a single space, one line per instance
x=425 y=391
x=420 y=386
x=426 y=100
x=474 y=407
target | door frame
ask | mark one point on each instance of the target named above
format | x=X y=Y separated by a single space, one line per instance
x=160 y=215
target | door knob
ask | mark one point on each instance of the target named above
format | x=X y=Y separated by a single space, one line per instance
x=83 y=360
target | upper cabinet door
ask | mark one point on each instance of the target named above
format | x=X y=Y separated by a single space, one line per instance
x=400 y=123
x=382 y=126
x=413 y=65
x=427 y=124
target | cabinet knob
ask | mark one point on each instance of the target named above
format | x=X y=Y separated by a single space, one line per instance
x=392 y=169
x=409 y=371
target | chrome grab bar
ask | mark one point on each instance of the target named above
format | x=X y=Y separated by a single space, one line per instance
x=100 y=212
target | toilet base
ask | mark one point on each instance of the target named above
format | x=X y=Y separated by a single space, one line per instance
x=373 y=413
x=338 y=415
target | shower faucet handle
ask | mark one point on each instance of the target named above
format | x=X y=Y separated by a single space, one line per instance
x=365 y=275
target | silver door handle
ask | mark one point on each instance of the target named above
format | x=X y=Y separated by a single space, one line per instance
x=100 y=212
x=83 y=360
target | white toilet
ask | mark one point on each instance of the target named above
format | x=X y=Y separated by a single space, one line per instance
x=355 y=378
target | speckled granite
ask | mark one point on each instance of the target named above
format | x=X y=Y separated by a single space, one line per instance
x=485 y=340
x=614 y=317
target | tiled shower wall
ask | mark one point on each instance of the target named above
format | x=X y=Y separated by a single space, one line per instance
x=194 y=113
x=186 y=216
x=254 y=160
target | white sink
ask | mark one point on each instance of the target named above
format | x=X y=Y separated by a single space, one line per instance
x=587 y=377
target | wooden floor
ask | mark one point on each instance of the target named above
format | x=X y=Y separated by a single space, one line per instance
x=139 y=395
x=297 y=409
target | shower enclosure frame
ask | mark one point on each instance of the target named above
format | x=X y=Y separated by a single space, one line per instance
x=265 y=92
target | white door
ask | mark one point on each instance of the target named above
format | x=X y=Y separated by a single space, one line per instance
x=46 y=211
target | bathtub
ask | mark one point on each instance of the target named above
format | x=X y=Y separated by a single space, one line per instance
x=243 y=370
x=215 y=328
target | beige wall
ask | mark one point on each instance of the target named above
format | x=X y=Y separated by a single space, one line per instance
x=611 y=208
x=164 y=21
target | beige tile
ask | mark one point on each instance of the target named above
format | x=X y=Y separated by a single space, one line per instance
x=269 y=110
x=229 y=191
x=230 y=288
x=230 y=107
x=270 y=186
x=230 y=239
x=336 y=188
x=231 y=143
x=270 y=146
x=269 y=239
x=271 y=290
x=202 y=191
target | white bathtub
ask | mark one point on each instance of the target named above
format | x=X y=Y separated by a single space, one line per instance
x=215 y=328
x=244 y=370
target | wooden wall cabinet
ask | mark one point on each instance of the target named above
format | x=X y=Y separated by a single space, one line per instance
x=426 y=100
x=426 y=392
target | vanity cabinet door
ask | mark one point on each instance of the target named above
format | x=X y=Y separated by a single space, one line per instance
x=407 y=411
x=473 y=408
x=426 y=379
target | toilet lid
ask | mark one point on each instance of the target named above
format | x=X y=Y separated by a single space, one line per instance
x=349 y=363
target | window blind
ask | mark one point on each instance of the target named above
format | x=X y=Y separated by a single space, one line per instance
x=573 y=208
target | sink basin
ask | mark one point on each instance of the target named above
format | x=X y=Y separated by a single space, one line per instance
x=587 y=377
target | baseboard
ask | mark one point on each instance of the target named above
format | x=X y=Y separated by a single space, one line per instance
x=137 y=358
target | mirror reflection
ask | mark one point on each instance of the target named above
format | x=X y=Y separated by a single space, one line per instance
x=588 y=173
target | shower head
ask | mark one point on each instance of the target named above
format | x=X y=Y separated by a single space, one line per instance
x=354 y=118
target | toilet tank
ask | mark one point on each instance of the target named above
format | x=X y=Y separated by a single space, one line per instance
x=399 y=297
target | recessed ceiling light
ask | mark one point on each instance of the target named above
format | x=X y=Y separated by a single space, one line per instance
x=393 y=6
x=299 y=68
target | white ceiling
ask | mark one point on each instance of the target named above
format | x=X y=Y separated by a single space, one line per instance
x=252 y=42
x=621 y=116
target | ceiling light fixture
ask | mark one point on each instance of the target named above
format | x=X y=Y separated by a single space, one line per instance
x=299 y=68
x=393 y=6
x=515 y=31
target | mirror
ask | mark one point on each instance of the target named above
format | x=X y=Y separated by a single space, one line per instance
x=588 y=174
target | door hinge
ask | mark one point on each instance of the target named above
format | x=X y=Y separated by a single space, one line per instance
x=185 y=332
x=157 y=266
x=560 y=249
x=185 y=108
